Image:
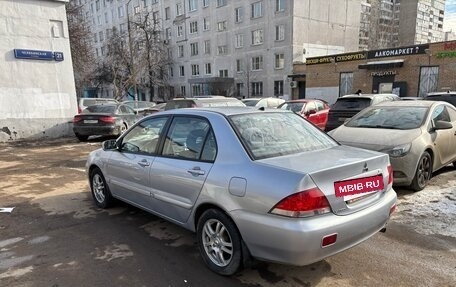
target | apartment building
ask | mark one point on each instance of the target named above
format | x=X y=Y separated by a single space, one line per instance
x=394 y=23
x=240 y=48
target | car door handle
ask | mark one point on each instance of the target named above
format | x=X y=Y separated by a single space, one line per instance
x=196 y=171
x=144 y=163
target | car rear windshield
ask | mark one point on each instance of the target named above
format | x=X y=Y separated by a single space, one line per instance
x=266 y=135
x=294 y=107
x=179 y=104
x=402 y=118
x=219 y=103
x=91 y=102
x=101 y=109
x=351 y=104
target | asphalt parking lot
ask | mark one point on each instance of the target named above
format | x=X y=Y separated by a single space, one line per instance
x=55 y=236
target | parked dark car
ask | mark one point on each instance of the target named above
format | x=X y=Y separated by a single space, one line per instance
x=347 y=106
x=448 y=96
x=106 y=120
x=315 y=111
x=203 y=103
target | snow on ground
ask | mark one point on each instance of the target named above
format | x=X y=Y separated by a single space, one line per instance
x=430 y=211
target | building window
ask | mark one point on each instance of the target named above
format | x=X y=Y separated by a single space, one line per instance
x=167 y=13
x=144 y=3
x=206 y=24
x=239 y=66
x=238 y=14
x=103 y=49
x=154 y=1
x=180 y=31
x=193 y=49
x=120 y=11
x=171 y=72
x=428 y=80
x=106 y=17
x=197 y=89
x=181 y=71
x=239 y=41
x=278 y=88
x=179 y=9
x=279 y=61
x=100 y=34
x=168 y=33
x=280 y=5
x=195 y=70
x=123 y=28
x=137 y=9
x=207 y=47
x=239 y=89
x=257 y=37
x=257 y=9
x=97 y=4
x=257 y=63
x=223 y=73
x=257 y=89
x=221 y=26
x=279 y=32
x=193 y=27
x=208 y=69
x=205 y=3
x=180 y=51
x=345 y=84
x=221 y=3
x=223 y=50
x=182 y=89
x=192 y=5
x=99 y=19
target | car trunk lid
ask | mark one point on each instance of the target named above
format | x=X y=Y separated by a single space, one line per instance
x=345 y=168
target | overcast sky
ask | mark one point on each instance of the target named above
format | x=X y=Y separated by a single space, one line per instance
x=450 y=16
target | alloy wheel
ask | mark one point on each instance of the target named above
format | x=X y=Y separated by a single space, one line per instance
x=217 y=242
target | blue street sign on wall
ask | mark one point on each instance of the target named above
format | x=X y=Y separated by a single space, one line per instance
x=38 y=55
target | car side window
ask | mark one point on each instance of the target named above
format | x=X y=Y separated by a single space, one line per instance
x=440 y=113
x=186 y=138
x=129 y=110
x=452 y=113
x=310 y=106
x=210 y=148
x=122 y=109
x=320 y=106
x=144 y=137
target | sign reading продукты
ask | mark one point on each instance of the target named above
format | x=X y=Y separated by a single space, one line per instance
x=38 y=55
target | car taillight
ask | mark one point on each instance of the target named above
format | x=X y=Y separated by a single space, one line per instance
x=303 y=204
x=390 y=174
x=77 y=119
x=107 y=119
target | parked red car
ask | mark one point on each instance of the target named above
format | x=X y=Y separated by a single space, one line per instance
x=315 y=111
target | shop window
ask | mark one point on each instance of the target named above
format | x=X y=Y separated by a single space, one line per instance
x=345 y=84
x=428 y=80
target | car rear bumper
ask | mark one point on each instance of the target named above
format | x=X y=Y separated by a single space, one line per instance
x=97 y=130
x=298 y=241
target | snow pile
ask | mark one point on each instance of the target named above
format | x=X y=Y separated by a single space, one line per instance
x=430 y=211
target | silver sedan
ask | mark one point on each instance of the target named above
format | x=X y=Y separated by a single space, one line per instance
x=419 y=136
x=251 y=183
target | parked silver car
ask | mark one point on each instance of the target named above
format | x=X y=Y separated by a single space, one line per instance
x=266 y=184
x=419 y=136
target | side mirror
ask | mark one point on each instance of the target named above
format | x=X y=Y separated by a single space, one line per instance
x=442 y=125
x=110 y=145
x=310 y=112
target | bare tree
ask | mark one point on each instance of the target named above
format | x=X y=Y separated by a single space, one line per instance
x=80 y=45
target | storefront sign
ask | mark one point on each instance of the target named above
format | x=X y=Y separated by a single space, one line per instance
x=319 y=60
x=449 y=54
x=38 y=55
x=393 y=52
x=336 y=58
x=383 y=73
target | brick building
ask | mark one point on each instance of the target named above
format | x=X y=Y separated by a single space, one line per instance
x=406 y=71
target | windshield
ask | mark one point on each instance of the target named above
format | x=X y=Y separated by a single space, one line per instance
x=102 y=109
x=268 y=135
x=250 y=103
x=351 y=104
x=403 y=118
x=294 y=107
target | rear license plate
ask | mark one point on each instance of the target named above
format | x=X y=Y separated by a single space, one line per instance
x=359 y=185
x=90 y=121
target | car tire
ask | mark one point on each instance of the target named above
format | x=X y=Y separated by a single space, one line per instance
x=423 y=172
x=219 y=242
x=100 y=190
x=123 y=128
x=82 y=138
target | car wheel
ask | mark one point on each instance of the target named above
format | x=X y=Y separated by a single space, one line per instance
x=219 y=242
x=423 y=172
x=82 y=138
x=123 y=128
x=100 y=190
